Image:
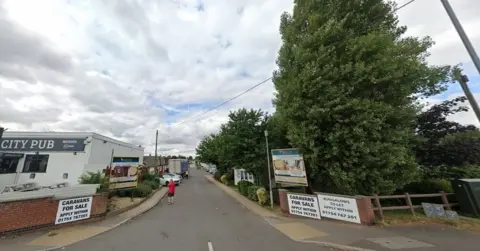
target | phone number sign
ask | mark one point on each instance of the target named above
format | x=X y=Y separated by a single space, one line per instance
x=339 y=208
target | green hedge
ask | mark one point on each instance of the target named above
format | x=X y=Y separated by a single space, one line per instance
x=142 y=190
x=252 y=192
x=217 y=175
x=429 y=186
x=154 y=184
x=243 y=187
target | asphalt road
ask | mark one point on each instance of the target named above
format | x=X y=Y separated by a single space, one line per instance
x=202 y=213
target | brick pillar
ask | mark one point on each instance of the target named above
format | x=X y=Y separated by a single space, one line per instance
x=365 y=210
x=282 y=197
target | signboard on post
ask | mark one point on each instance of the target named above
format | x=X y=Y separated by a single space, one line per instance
x=42 y=144
x=124 y=172
x=303 y=205
x=339 y=208
x=288 y=167
x=73 y=209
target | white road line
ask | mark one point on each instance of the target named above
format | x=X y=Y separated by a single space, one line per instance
x=210 y=246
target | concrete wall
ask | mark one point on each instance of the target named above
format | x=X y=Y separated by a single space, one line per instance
x=24 y=215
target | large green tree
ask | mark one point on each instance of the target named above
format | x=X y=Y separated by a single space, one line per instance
x=346 y=86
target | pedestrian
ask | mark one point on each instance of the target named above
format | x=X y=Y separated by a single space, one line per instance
x=171 y=191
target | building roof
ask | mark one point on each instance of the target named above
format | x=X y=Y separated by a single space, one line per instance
x=23 y=134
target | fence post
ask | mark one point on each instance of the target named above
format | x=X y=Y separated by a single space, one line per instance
x=446 y=204
x=379 y=207
x=409 y=204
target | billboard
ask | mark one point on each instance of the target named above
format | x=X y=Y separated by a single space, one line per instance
x=289 y=167
x=124 y=172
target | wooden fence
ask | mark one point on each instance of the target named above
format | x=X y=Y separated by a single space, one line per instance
x=408 y=201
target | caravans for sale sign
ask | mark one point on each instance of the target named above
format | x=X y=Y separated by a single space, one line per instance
x=289 y=167
x=303 y=205
x=73 y=210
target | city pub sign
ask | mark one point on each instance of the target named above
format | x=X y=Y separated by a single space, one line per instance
x=42 y=144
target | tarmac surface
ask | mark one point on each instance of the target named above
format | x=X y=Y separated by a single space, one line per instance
x=203 y=217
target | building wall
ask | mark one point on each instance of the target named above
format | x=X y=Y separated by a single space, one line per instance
x=101 y=152
x=24 y=215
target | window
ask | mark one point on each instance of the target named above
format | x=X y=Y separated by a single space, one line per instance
x=8 y=165
x=35 y=164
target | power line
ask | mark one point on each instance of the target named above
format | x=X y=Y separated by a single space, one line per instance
x=404 y=5
x=229 y=100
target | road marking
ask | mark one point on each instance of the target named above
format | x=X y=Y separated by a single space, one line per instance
x=210 y=246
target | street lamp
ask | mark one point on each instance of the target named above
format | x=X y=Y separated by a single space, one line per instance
x=269 y=172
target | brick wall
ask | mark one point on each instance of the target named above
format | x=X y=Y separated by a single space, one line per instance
x=24 y=215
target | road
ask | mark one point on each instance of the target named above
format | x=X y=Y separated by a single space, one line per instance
x=202 y=214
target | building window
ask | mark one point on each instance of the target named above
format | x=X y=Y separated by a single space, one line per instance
x=8 y=165
x=35 y=163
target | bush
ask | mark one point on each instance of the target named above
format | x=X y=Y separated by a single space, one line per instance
x=217 y=175
x=243 y=187
x=95 y=178
x=142 y=190
x=151 y=177
x=429 y=186
x=124 y=193
x=224 y=179
x=262 y=196
x=252 y=192
x=154 y=184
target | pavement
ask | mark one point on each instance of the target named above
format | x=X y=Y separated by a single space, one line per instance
x=347 y=236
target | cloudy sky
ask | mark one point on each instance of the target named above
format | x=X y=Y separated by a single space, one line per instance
x=127 y=68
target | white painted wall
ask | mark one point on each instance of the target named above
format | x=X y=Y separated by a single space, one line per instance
x=101 y=152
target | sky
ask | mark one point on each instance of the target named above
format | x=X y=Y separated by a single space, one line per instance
x=125 y=69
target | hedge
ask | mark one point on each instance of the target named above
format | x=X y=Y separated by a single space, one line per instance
x=243 y=187
x=252 y=192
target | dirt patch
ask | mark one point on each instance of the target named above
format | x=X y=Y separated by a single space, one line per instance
x=120 y=203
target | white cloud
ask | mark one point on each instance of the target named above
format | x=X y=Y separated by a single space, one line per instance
x=128 y=68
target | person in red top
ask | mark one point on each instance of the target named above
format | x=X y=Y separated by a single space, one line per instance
x=171 y=191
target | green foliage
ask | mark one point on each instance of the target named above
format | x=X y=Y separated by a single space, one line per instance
x=449 y=172
x=148 y=176
x=217 y=175
x=429 y=186
x=95 y=178
x=444 y=142
x=252 y=192
x=225 y=179
x=154 y=184
x=243 y=187
x=142 y=190
x=346 y=89
x=262 y=196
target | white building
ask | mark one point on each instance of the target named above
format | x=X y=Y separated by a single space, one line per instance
x=47 y=158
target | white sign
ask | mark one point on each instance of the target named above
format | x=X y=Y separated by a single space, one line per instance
x=73 y=209
x=303 y=205
x=339 y=208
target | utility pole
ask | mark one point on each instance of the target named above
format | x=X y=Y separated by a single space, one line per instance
x=156 y=145
x=466 y=42
x=269 y=172
x=1 y=132
x=463 y=80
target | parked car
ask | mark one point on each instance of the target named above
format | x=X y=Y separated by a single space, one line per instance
x=167 y=177
x=212 y=170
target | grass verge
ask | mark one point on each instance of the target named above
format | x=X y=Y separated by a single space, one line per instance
x=404 y=217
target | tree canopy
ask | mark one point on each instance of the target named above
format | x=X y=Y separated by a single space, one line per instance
x=347 y=86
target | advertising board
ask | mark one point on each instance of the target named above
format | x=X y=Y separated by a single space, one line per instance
x=124 y=172
x=303 y=205
x=73 y=209
x=289 y=167
x=339 y=208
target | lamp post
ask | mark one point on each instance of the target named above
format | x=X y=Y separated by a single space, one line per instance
x=269 y=172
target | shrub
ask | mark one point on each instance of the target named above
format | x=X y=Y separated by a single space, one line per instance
x=124 y=193
x=149 y=176
x=154 y=184
x=95 y=178
x=217 y=175
x=243 y=187
x=252 y=192
x=142 y=190
x=262 y=196
x=429 y=186
x=224 y=179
